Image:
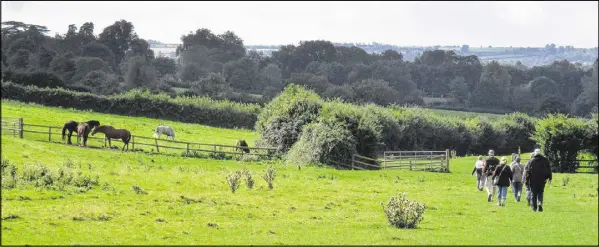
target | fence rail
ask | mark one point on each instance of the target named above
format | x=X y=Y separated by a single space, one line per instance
x=16 y=127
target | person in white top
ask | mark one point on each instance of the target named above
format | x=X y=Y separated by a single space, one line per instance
x=478 y=168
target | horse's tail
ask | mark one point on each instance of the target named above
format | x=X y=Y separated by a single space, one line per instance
x=128 y=137
x=64 y=131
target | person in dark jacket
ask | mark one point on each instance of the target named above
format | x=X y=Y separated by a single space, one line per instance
x=489 y=167
x=503 y=173
x=538 y=172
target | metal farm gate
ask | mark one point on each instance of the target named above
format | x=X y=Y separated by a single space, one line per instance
x=417 y=160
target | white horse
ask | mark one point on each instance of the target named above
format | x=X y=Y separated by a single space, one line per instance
x=166 y=130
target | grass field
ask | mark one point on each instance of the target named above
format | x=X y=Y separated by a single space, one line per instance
x=464 y=114
x=189 y=202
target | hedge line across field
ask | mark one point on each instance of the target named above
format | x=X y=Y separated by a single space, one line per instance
x=197 y=110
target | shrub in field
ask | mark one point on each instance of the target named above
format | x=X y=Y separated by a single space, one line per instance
x=281 y=121
x=39 y=175
x=9 y=174
x=34 y=173
x=324 y=144
x=138 y=190
x=233 y=180
x=199 y=110
x=269 y=176
x=85 y=181
x=249 y=181
x=561 y=139
x=403 y=213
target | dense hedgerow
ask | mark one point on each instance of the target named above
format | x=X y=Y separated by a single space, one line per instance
x=198 y=110
x=561 y=139
x=281 y=121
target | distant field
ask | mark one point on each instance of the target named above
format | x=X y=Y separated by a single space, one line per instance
x=180 y=89
x=465 y=114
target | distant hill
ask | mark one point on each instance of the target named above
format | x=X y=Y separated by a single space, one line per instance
x=528 y=56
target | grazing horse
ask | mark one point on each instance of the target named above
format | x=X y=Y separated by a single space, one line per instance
x=71 y=126
x=242 y=143
x=111 y=132
x=83 y=130
x=166 y=130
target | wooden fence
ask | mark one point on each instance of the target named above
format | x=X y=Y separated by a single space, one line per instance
x=417 y=160
x=16 y=127
x=357 y=162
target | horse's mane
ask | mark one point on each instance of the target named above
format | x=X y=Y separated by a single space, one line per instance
x=93 y=123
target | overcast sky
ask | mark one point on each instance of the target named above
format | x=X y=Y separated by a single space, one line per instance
x=525 y=24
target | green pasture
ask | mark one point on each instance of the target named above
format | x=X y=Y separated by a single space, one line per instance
x=138 y=126
x=189 y=202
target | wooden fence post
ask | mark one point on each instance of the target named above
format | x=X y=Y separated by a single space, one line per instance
x=49 y=133
x=156 y=141
x=447 y=158
x=21 y=127
x=133 y=143
x=352 y=162
x=187 y=148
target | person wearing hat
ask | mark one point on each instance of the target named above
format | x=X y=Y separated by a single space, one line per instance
x=489 y=167
x=538 y=172
x=501 y=178
x=518 y=171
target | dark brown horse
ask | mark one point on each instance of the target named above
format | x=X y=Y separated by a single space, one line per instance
x=71 y=126
x=83 y=130
x=243 y=145
x=111 y=132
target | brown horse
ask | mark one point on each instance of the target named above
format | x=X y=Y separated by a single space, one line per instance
x=243 y=146
x=71 y=126
x=82 y=132
x=111 y=132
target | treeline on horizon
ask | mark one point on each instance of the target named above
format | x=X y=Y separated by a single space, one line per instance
x=220 y=67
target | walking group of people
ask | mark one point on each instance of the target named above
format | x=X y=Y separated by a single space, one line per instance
x=497 y=176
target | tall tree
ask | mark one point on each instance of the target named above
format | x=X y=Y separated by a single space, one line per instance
x=491 y=91
x=118 y=37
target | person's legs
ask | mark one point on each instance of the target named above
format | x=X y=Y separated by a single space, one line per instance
x=535 y=196
x=490 y=188
x=541 y=191
x=479 y=179
x=517 y=187
x=501 y=195
x=528 y=195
